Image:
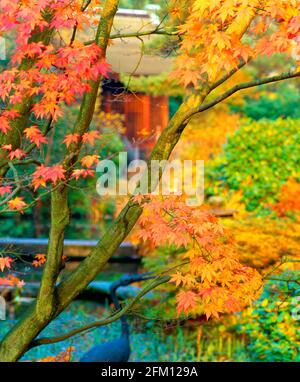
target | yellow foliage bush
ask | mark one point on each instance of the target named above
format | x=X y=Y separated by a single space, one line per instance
x=263 y=242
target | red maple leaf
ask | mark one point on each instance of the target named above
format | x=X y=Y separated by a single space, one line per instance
x=35 y=136
x=82 y=173
x=18 y=154
x=90 y=137
x=44 y=174
x=5 y=190
x=71 y=138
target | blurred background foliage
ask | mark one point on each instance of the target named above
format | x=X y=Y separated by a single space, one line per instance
x=258 y=159
x=250 y=145
x=273 y=332
x=271 y=103
x=90 y=215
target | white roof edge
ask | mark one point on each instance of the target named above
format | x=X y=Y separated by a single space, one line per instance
x=133 y=12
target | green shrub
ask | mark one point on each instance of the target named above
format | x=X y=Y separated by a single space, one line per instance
x=282 y=103
x=270 y=325
x=258 y=159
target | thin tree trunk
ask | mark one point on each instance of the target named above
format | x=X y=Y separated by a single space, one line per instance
x=15 y=344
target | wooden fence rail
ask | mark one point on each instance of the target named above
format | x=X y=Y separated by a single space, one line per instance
x=74 y=249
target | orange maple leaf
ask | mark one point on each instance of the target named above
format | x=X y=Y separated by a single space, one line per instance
x=11 y=280
x=63 y=356
x=71 y=138
x=18 y=154
x=35 y=136
x=89 y=160
x=5 y=262
x=44 y=174
x=5 y=190
x=90 y=137
x=17 y=204
x=82 y=172
x=186 y=301
x=40 y=259
x=7 y=147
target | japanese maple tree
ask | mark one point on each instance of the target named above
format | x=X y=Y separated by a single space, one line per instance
x=52 y=68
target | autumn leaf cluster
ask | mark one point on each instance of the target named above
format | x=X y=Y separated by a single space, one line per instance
x=48 y=69
x=210 y=278
x=211 y=35
x=288 y=198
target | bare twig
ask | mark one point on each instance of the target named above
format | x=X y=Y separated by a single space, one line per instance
x=106 y=321
x=237 y=88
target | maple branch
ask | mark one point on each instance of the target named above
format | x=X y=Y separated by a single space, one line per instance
x=18 y=183
x=242 y=86
x=75 y=28
x=9 y=197
x=27 y=161
x=145 y=33
x=60 y=218
x=116 y=316
x=123 y=224
x=138 y=63
x=47 y=127
x=289 y=280
x=228 y=75
x=33 y=202
x=60 y=214
x=87 y=108
x=283 y=261
x=156 y=31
